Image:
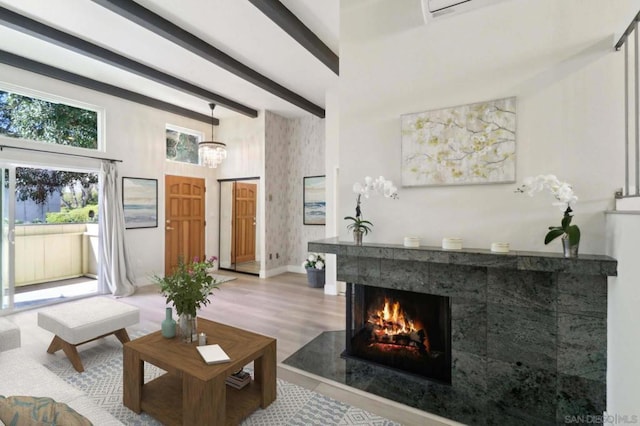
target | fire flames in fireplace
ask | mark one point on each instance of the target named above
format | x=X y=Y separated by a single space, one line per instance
x=390 y=325
x=401 y=330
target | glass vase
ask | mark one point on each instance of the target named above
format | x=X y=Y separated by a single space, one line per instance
x=187 y=328
x=357 y=237
x=168 y=325
x=569 y=250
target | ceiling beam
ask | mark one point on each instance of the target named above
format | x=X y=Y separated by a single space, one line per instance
x=78 y=80
x=33 y=28
x=166 y=29
x=290 y=23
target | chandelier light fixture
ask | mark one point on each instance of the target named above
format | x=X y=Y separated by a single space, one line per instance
x=211 y=153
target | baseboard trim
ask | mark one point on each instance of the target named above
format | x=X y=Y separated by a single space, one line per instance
x=273 y=272
x=296 y=268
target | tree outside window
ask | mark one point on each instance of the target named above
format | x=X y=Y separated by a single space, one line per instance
x=75 y=194
x=182 y=145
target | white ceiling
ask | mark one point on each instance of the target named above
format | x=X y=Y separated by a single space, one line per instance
x=234 y=26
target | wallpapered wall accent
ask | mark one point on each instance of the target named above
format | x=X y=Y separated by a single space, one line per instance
x=294 y=148
x=277 y=136
x=308 y=155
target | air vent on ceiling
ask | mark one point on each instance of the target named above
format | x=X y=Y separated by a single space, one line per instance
x=434 y=9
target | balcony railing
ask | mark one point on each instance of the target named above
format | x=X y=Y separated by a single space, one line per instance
x=54 y=252
x=630 y=42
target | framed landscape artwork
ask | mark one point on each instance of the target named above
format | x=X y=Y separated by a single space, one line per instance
x=314 y=200
x=469 y=144
x=140 y=202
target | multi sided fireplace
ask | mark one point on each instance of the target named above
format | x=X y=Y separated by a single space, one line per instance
x=401 y=330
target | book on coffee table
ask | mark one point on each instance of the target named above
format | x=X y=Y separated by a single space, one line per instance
x=213 y=354
x=239 y=379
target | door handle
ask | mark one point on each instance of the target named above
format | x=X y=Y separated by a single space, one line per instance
x=168 y=228
x=12 y=236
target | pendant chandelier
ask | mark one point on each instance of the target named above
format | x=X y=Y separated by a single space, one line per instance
x=211 y=153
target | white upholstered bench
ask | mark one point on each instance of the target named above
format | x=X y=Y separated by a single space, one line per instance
x=9 y=335
x=83 y=321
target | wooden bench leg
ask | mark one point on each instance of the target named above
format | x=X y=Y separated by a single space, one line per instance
x=55 y=346
x=72 y=352
x=122 y=335
x=69 y=350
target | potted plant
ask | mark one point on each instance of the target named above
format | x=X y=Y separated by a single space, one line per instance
x=379 y=185
x=315 y=270
x=188 y=288
x=570 y=234
x=359 y=227
x=563 y=193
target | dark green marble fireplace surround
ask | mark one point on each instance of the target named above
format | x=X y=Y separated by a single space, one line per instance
x=528 y=330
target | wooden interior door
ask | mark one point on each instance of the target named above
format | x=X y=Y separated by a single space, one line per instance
x=184 y=220
x=244 y=224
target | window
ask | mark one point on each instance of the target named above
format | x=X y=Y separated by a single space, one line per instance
x=55 y=196
x=182 y=144
x=25 y=117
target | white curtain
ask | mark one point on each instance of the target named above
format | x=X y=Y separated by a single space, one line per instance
x=116 y=273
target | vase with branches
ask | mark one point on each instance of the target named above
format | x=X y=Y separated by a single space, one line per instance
x=189 y=288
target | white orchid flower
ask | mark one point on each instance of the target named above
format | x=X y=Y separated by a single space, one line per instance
x=562 y=191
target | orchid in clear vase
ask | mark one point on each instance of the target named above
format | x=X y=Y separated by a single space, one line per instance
x=380 y=186
x=565 y=199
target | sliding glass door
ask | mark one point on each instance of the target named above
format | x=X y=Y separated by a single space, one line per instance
x=7 y=246
x=49 y=232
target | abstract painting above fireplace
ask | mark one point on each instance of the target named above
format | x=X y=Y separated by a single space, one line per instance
x=528 y=330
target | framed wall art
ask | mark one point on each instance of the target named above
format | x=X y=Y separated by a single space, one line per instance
x=140 y=202
x=314 y=200
x=469 y=144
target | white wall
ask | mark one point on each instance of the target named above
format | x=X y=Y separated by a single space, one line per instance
x=332 y=169
x=135 y=134
x=623 y=230
x=555 y=56
x=244 y=137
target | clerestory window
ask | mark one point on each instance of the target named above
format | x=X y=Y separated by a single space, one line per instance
x=182 y=144
x=31 y=118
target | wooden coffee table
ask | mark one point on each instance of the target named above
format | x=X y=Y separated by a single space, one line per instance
x=192 y=392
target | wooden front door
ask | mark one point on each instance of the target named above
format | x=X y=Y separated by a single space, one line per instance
x=184 y=220
x=245 y=221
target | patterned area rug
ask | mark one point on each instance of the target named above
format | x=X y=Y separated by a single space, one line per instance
x=295 y=405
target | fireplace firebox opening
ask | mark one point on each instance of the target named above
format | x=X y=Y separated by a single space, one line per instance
x=401 y=330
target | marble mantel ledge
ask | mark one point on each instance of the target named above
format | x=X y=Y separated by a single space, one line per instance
x=588 y=264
